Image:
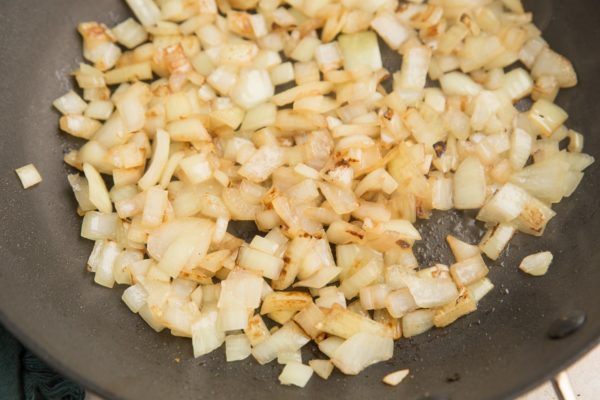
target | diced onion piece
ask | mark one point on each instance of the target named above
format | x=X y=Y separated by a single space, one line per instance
x=99 y=109
x=159 y=160
x=536 y=264
x=206 y=336
x=288 y=338
x=460 y=249
x=459 y=84
x=79 y=126
x=319 y=279
x=308 y=318
x=260 y=116
x=282 y=73
x=480 y=288
x=196 y=168
x=549 y=62
x=296 y=374
x=328 y=56
x=154 y=207
x=262 y=163
x=394 y=378
x=135 y=297
x=417 y=322
x=373 y=297
x=449 y=313
x=360 y=50
x=98 y=193
x=468 y=271
x=104 y=271
x=507 y=204
x=399 y=302
x=146 y=11
x=237 y=347
x=323 y=368
x=342 y=200
x=305 y=49
x=70 y=103
x=362 y=350
x=390 y=29
x=29 y=176
x=518 y=84
x=520 y=148
x=130 y=34
x=99 y=226
x=285 y=301
x=363 y=277
x=256 y=330
x=431 y=292
x=415 y=64
x=286 y=357
x=496 y=239
x=469 y=184
x=253 y=87
x=547 y=116
x=266 y=264
x=129 y=73
x=344 y=323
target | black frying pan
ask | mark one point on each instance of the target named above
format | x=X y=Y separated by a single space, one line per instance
x=51 y=304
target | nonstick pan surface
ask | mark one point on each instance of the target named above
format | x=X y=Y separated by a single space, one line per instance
x=51 y=304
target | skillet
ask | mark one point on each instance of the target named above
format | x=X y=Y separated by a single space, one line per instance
x=51 y=304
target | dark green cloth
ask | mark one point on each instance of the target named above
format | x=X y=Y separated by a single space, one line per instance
x=24 y=376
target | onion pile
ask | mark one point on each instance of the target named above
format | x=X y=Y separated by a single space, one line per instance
x=206 y=112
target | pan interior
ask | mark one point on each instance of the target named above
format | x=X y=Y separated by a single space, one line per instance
x=51 y=303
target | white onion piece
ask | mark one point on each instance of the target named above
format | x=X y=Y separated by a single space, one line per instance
x=29 y=176
x=323 y=368
x=97 y=188
x=70 y=103
x=362 y=350
x=289 y=337
x=417 y=322
x=159 y=160
x=431 y=292
x=99 y=226
x=469 y=270
x=360 y=50
x=296 y=374
x=104 y=271
x=469 y=184
x=536 y=264
x=135 y=297
x=394 y=378
x=146 y=11
x=286 y=357
x=206 y=336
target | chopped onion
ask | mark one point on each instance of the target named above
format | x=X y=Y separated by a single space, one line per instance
x=296 y=374
x=206 y=336
x=360 y=50
x=344 y=323
x=334 y=158
x=323 y=368
x=70 y=104
x=417 y=322
x=394 y=378
x=237 y=347
x=29 y=176
x=469 y=270
x=536 y=264
x=469 y=184
x=289 y=338
x=362 y=350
